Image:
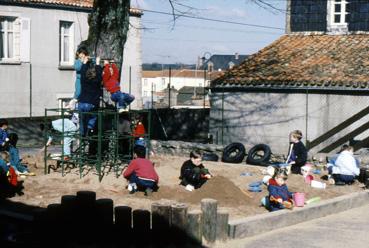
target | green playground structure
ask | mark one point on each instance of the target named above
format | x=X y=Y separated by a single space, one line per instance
x=108 y=148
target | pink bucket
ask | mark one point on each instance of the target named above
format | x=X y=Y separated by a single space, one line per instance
x=299 y=199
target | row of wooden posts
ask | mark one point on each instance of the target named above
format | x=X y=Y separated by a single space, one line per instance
x=83 y=214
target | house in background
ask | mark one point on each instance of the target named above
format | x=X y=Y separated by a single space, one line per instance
x=38 y=43
x=158 y=81
x=219 y=62
x=315 y=78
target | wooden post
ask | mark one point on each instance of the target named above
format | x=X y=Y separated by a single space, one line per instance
x=69 y=206
x=222 y=225
x=161 y=215
x=194 y=229
x=123 y=217
x=209 y=219
x=160 y=223
x=141 y=227
x=86 y=198
x=179 y=215
x=104 y=208
x=86 y=218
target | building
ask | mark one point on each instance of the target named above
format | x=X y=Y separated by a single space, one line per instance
x=221 y=62
x=158 y=81
x=315 y=78
x=39 y=40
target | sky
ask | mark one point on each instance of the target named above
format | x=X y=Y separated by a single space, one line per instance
x=184 y=40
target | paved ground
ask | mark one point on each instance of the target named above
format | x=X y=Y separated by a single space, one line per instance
x=347 y=229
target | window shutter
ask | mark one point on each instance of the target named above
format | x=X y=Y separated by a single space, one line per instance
x=25 y=48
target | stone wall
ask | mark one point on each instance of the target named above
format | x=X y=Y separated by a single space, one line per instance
x=181 y=148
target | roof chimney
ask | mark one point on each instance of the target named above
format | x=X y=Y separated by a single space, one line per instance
x=236 y=56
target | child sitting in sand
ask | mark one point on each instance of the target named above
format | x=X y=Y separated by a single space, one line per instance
x=279 y=196
x=141 y=173
x=297 y=153
x=193 y=173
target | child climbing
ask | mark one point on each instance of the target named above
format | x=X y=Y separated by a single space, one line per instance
x=112 y=85
x=193 y=173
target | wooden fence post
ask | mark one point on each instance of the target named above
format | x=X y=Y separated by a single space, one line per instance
x=160 y=222
x=209 y=219
x=222 y=225
x=194 y=229
x=141 y=226
x=179 y=215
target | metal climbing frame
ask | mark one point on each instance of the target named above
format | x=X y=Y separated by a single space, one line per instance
x=107 y=148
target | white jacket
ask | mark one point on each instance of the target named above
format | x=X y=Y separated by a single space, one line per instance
x=346 y=165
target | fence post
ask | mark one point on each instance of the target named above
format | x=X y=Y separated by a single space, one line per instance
x=209 y=219
x=160 y=222
x=222 y=225
x=194 y=229
x=141 y=226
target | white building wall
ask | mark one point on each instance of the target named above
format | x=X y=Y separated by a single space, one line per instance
x=28 y=88
x=132 y=63
x=39 y=81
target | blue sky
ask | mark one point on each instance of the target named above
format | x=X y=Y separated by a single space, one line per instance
x=189 y=38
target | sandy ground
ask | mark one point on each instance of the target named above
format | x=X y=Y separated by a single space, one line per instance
x=225 y=186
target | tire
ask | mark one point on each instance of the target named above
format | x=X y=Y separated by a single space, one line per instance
x=234 y=153
x=255 y=158
x=210 y=157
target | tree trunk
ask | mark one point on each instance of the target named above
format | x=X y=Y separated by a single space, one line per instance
x=108 y=22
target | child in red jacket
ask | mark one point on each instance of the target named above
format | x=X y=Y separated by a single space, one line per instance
x=141 y=173
x=112 y=85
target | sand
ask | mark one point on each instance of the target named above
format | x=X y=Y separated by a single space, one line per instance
x=226 y=186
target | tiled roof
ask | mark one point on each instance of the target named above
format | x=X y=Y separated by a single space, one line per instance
x=76 y=3
x=174 y=73
x=321 y=61
x=71 y=3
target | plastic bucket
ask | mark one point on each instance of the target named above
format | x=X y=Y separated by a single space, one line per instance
x=299 y=199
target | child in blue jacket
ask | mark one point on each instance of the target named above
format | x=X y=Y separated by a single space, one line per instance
x=279 y=196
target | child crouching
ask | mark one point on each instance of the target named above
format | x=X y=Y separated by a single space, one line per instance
x=279 y=196
x=141 y=173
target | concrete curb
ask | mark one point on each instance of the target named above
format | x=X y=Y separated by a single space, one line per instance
x=258 y=224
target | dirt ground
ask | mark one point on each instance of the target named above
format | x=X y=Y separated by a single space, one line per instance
x=225 y=186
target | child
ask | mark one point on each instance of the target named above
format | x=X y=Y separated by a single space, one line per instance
x=193 y=173
x=89 y=98
x=3 y=134
x=345 y=168
x=297 y=154
x=141 y=173
x=279 y=196
x=9 y=184
x=68 y=128
x=15 y=161
x=112 y=85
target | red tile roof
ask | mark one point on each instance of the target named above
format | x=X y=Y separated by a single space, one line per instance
x=322 y=61
x=75 y=3
x=179 y=73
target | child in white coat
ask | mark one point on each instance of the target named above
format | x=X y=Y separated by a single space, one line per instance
x=345 y=168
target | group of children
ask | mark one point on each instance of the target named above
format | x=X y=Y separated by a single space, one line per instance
x=343 y=168
x=11 y=166
x=142 y=176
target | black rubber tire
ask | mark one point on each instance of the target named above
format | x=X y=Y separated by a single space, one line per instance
x=254 y=158
x=234 y=153
x=210 y=157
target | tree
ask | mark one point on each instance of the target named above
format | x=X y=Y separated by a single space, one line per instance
x=109 y=22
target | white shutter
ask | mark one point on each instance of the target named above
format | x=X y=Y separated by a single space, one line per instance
x=25 y=48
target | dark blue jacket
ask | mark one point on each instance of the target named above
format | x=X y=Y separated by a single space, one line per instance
x=278 y=192
x=91 y=90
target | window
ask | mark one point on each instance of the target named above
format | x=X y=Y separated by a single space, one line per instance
x=145 y=82
x=9 y=38
x=163 y=81
x=230 y=65
x=210 y=67
x=338 y=12
x=66 y=43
